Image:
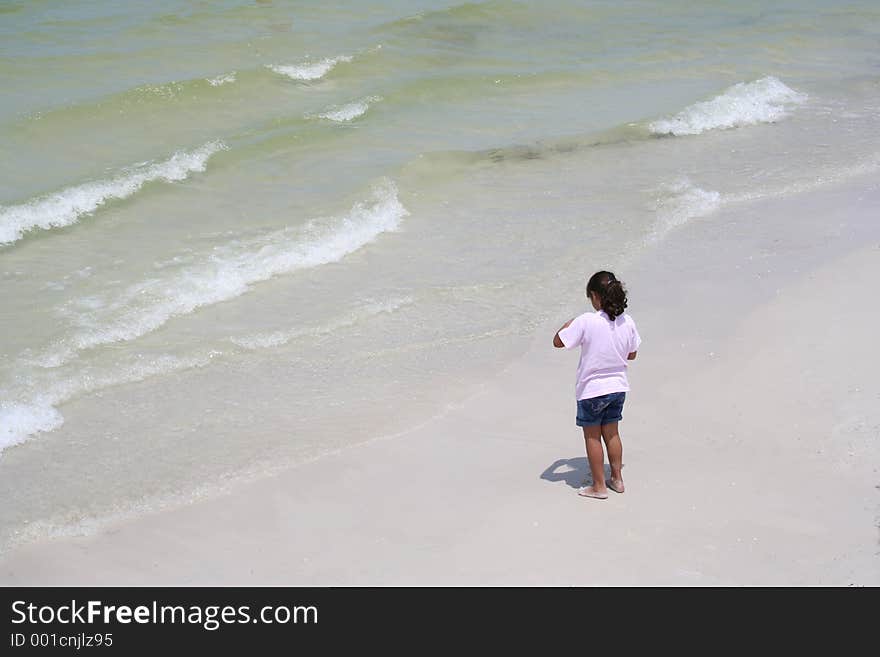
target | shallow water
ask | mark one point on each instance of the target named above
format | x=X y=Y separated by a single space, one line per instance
x=238 y=235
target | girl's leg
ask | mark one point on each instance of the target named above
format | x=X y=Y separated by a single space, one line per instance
x=615 y=456
x=596 y=457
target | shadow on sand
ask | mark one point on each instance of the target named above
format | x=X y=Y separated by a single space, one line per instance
x=574 y=472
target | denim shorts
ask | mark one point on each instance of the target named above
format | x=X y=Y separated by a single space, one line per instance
x=596 y=411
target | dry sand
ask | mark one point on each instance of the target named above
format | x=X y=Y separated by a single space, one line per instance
x=751 y=446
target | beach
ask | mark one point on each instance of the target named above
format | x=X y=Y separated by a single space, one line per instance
x=278 y=284
x=750 y=438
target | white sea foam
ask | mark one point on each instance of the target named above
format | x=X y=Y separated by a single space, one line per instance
x=278 y=338
x=228 y=272
x=309 y=70
x=65 y=207
x=762 y=101
x=222 y=79
x=18 y=420
x=267 y=340
x=351 y=110
x=681 y=201
x=70 y=524
x=36 y=412
x=819 y=178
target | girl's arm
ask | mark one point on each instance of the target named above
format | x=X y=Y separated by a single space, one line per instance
x=556 y=341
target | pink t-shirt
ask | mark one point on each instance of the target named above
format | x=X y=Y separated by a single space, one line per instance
x=604 y=344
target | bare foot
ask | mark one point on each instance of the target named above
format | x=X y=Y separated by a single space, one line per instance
x=616 y=485
x=590 y=491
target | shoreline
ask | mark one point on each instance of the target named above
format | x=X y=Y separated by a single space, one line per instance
x=733 y=492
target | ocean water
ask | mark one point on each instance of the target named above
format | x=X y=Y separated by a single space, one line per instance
x=239 y=235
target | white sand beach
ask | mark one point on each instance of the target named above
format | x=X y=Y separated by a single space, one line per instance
x=751 y=445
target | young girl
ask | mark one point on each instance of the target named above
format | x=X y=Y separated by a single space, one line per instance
x=608 y=339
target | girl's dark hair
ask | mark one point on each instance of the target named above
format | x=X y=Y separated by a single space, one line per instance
x=612 y=294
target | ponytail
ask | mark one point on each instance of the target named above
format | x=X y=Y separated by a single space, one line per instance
x=612 y=294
